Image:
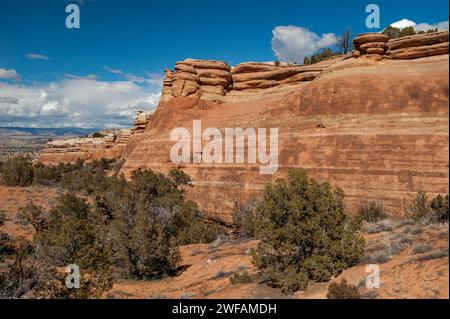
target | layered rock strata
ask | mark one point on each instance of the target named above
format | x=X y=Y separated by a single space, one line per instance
x=418 y=46
x=378 y=46
x=377 y=129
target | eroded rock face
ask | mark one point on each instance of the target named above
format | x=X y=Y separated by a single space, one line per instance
x=376 y=129
x=418 y=46
x=379 y=46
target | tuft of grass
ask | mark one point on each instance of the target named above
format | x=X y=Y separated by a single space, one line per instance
x=372 y=212
x=420 y=248
x=220 y=274
x=219 y=241
x=342 y=290
x=379 y=227
x=240 y=278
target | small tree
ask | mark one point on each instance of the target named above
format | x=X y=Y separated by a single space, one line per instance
x=305 y=233
x=345 y=41
x=420 y=208
x=440 y=209
x=17 y=171
x=73 y=236
x=244 y=219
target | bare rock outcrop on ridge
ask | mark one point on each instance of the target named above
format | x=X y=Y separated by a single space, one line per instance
x=379 y=46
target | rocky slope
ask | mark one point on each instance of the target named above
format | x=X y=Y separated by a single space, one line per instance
x=374 y=123
x=109 y=144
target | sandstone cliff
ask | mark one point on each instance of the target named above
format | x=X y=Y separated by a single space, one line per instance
x=374 y=123
x=378 y=128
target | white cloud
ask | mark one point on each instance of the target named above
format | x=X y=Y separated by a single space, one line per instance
x=293 y=43
x=35 y=56
x=403 y=23
x=10 y=74
x=152 y=78
x=78 y=77
x=74 y=101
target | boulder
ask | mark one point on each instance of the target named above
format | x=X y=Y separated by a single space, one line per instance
x=251 y=67
x=207 y=64
x=356 y=54
x=370 y=45
x=217 y=90
x=214 y=81
x=255 y=84
x=185 y=76
x=375 y=51
x=369 y=37
x=277 y=75
x=214 y=73
x=182 y=67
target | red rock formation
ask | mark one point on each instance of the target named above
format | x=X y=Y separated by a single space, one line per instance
x=377 y=129
x=376 y=45
x=384 y=131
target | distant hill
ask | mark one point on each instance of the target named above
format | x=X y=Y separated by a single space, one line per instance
x=46 y=131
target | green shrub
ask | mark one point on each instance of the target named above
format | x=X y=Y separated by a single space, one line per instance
x=244 y=220
x=240 y=278
x=435 y=211
x=371 y=212
x=440 y=209
x=97 y=135
x=74 y=235
x=17 y=171
x=420 y=208
x=149 y=218
x=33 y=215
x=3 y=218
x=305 y=233
x=342 y=290
x=46 y=175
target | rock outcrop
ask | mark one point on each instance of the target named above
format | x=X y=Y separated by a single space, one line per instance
x=377 y=129
x=379 y=46
x=140 y=121
x=250 y=76
x=370 y=44
x=205 y=79
x=104 y=144
x=418 y=46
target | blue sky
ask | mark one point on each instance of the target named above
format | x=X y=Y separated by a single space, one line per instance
x=122 y=47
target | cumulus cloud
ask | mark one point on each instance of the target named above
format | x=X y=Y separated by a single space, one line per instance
x=35 y=56
x=10 y=74
x=403 y=23
x=293 y=43
x=74 y=101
